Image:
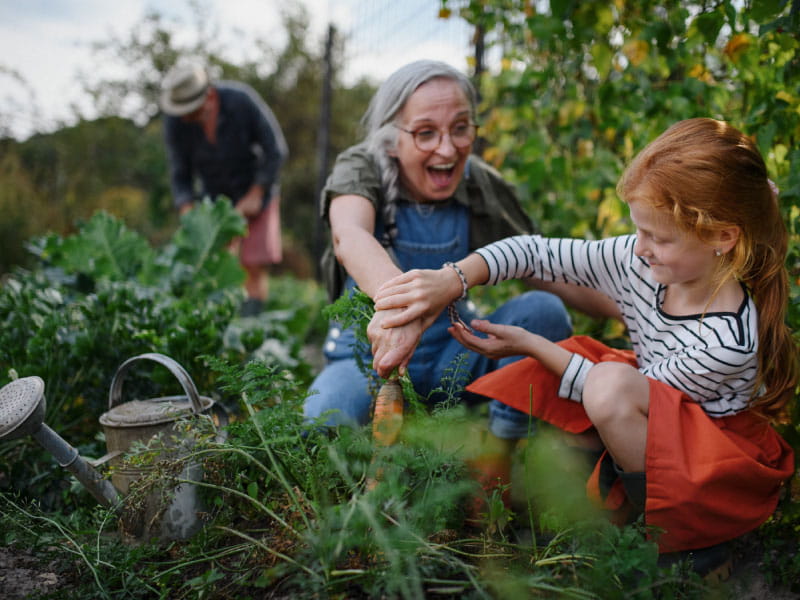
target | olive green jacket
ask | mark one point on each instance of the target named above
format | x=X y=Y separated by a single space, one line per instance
x=495 y=212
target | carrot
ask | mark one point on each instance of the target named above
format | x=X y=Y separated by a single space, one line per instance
x=387 y=420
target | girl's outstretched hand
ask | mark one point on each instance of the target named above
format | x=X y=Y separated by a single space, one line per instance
x=421 y=293
x=502 y=340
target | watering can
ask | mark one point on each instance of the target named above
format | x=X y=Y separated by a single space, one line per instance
x=172 y=516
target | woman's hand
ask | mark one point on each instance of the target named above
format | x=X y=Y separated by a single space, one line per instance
x=502 y=340
x=420 y=293
x=392 y=347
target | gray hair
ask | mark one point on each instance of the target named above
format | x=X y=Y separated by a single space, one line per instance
x=390 y=99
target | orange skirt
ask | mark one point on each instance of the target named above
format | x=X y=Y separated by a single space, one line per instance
x=708 y=480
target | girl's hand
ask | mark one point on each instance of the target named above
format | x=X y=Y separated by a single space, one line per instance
x=422 y=293
x=502 y=340
x=392 y=347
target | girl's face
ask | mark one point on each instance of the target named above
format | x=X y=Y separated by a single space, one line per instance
x=437 y=105
x=676 y=257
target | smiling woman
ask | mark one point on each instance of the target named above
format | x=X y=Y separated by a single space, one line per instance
x=412 y=196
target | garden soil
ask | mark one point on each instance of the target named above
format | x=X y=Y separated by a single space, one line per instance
x=24 y=575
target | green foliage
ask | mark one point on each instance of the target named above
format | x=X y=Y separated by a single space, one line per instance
x=104 y=295
x=583 y=86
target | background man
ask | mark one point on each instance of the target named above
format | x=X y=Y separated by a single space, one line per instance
x=224 y=134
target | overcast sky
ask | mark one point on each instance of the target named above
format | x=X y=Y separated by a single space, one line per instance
x=44 y=44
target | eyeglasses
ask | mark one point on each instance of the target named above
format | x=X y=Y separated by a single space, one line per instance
x=428 y=139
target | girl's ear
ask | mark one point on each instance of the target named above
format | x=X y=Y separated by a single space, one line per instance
x=727 y=238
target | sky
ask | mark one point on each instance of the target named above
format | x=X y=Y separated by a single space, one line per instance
x=45 y=45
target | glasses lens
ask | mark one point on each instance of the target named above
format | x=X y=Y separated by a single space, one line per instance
x=462 y=134
x=426 y=139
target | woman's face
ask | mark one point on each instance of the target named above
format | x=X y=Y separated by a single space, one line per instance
x=439 y=105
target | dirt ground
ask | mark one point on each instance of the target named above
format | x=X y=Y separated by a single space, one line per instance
x=23 y=575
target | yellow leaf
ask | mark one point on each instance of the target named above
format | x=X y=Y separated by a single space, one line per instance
x=696 y=71
x=636 y=51
x=494 y=156
x=736 y=46
x=585 y=148
x=785 y=96
x=529 y=8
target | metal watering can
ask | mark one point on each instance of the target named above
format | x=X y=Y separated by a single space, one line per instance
x=170 y=514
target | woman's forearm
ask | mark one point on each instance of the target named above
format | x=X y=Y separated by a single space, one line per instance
x=364 y=259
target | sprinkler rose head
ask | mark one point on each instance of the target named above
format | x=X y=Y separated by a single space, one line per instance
x=22 y=406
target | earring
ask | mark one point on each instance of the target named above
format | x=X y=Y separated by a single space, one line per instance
x=717 y=252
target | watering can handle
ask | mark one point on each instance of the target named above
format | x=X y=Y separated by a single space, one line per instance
x=115 y=394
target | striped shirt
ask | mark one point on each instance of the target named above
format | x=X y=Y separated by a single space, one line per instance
x=711 y=357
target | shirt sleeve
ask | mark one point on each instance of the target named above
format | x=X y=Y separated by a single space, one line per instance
x=270 y=145
x=574 y=378
x=180 y=170
x=600 y=264
x=355 y=172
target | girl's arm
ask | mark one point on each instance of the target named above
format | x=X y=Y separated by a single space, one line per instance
x=510 y=340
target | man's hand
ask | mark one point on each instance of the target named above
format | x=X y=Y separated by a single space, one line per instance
x=249 y=205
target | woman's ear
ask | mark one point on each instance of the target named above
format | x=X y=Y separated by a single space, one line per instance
x=727 y=238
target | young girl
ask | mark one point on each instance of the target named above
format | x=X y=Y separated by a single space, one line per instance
x=702 y=288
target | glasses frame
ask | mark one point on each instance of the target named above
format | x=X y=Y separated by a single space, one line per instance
x=413 y=133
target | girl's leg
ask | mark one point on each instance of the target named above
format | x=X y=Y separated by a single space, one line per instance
x=342 y=389
x=616 y=398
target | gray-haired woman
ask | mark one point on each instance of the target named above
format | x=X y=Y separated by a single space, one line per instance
x=412 y=196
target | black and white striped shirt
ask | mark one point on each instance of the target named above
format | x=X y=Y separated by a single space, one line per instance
x=710 y=357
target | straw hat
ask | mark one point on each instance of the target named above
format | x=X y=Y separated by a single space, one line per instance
x=183 y=89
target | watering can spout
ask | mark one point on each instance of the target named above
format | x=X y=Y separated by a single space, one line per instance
x=22 y=406
x=68 y=458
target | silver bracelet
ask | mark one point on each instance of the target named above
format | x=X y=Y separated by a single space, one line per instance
x=452 y=312
x=460 y=273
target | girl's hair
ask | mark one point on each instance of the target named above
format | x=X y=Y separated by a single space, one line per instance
x=390 y=99
x=711 y=176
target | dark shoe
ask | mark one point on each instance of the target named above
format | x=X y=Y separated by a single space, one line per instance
x=714 y=564
x=251 y=307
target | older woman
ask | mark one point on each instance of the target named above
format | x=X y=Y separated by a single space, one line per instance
x=413 y=196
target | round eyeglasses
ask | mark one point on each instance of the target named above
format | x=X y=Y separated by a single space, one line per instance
x=428 y=139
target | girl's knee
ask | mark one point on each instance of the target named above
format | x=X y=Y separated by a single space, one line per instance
x=613 y=390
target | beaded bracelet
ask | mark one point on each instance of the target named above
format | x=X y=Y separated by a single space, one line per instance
x=460 y=273
x=452 y=312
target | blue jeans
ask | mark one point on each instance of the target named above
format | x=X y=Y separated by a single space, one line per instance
x=342 y=388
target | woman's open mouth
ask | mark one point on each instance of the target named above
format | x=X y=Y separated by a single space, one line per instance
x=442 y=175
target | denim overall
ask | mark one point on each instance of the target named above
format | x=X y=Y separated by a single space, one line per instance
x=427 y=237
